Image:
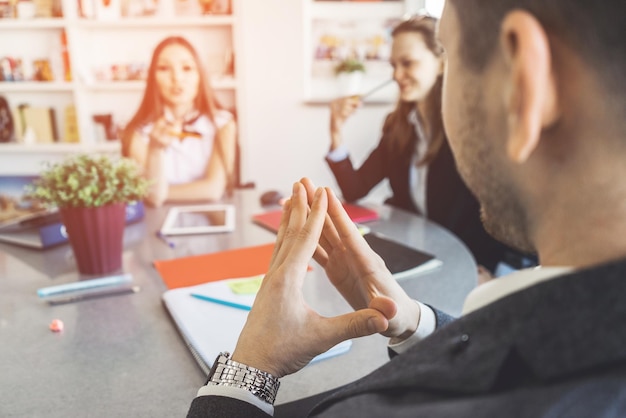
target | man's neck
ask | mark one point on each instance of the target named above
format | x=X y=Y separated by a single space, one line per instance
x=583 y=238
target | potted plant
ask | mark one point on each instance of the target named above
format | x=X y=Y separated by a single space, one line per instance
x=91 y=193
x=349 y=73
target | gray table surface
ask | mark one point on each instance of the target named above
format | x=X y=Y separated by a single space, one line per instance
x=121 y=356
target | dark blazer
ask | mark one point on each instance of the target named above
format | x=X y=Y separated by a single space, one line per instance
x=556 y=349
x=449 y=202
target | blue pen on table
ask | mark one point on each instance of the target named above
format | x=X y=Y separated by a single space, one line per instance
x=163 y=238
x=84 y=285
x=221 y=302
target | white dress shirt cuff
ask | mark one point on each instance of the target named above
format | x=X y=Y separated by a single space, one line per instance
x=427 y=326
x=338 y=154
x=237 y=393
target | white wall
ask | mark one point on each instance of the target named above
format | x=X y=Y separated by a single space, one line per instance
x=287 y=139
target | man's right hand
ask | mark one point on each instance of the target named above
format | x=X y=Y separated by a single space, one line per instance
x=358 y=272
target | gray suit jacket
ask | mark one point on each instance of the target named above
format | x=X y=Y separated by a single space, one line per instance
x=556 y=349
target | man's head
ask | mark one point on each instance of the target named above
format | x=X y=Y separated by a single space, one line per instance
x=594 y=29
x=532 y=87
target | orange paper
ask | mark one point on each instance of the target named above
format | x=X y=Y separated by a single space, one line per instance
x=197 y=269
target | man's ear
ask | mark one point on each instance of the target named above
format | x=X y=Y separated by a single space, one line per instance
x=532 y=100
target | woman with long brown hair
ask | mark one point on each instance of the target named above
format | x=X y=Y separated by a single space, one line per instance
x=413 y=153
x=180 y=137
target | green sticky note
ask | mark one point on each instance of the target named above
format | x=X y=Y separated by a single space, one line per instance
x=363 y=229
x=248 y=286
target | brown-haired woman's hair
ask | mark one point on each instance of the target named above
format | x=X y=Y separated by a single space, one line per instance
x=152 y=106
x=397 y=124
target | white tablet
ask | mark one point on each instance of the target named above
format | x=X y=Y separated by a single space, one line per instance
x=199 y=219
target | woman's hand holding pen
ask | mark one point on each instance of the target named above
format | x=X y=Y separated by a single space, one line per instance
x=340 y=110
x=161 y=135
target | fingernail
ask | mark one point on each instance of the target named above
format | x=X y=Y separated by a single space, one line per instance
x=295 y=187
x=372 y=324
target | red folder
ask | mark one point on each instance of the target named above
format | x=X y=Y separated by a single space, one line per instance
x=358 y=214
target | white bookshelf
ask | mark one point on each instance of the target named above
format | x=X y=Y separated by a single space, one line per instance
x=96 y=44
x=60 y=148
x=319 y=17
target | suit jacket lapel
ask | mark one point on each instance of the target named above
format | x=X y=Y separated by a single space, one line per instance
x=470 y=354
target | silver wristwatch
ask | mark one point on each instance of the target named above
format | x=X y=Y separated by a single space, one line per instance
x=226 y=372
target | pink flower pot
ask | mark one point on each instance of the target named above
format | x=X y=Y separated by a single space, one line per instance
x=96 y=236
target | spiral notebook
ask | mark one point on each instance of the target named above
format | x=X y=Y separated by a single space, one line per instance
x=209 y=328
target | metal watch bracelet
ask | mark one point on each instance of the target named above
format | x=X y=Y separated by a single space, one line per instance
x=226 y=372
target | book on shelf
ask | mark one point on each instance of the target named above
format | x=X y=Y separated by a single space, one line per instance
x=18 y=124
x=71 y=125
x=42 y=122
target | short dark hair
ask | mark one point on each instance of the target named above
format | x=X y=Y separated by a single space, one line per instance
x=596 y=29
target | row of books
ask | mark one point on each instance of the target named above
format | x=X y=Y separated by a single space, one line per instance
x=37 y=124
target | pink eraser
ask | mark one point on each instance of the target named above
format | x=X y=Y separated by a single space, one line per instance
x=56 y=325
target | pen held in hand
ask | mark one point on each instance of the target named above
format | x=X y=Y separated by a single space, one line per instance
x=185 y=133
x=374 y=90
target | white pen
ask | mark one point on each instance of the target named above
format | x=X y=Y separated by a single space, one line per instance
x=94 y=294
x=374 y=90
x=83 y=285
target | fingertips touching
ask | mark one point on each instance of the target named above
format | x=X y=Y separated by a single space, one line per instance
x=299 y=208
x=385 y=306
x=284 y=221
x=309 y=187
x=357 y=324
x=343 y=224
x=318 y=212
x=377 y=324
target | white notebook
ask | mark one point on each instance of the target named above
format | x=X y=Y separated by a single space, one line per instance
x=209 y=328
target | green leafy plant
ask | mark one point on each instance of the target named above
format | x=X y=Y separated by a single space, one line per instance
x=349 y=65
x=88 y=181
